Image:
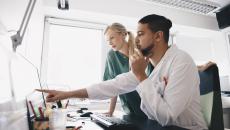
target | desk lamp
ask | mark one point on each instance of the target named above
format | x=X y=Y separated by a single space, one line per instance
x=18 y=37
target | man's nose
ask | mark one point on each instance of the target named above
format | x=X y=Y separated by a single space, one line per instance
x=137 y=41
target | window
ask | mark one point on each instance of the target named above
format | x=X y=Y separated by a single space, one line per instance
x=72 y=53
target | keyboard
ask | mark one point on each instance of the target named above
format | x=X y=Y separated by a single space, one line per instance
x=112 y=122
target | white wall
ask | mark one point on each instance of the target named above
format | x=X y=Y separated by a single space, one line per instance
x=11 y=15
x=127 y=12
x=217 y=37
x=34 y=35
x=219 y=45
x=138 y=9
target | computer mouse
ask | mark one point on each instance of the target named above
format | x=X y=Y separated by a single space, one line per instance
x=87 y=114
x=79 y=111
x=84 y=108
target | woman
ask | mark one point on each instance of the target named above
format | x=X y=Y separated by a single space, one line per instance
x=118 y=62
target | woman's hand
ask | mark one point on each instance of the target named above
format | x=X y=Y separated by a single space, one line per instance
x=54 y=95
x=109 y=114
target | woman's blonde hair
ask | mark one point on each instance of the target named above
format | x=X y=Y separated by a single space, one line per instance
x=121 y=29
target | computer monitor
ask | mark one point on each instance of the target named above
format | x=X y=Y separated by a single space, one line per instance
x=25 y=78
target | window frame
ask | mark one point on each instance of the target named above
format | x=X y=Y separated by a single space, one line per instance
x=48 y=22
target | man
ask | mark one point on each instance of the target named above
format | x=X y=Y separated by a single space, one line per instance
x=170 y=94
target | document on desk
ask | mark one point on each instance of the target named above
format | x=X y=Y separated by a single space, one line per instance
x=74 y=119
x=73 y=123
x=85 y=124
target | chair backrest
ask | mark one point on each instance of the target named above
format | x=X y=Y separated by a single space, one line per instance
x=211 y=98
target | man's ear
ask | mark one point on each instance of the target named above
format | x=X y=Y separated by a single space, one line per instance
x=159 y=36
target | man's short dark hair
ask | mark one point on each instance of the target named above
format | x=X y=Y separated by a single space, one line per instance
x=157 y=23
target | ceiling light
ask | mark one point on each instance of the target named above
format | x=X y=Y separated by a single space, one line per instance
x=197 y=6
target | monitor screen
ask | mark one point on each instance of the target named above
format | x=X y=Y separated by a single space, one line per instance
x=25 y=77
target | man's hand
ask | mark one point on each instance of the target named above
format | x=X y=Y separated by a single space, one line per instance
x=138 y=65
x=54 y=95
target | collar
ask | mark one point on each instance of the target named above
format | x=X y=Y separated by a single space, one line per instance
x=169 y=53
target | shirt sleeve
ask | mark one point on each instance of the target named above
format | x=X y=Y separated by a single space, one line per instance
x=182 y=82
x=108 y=69
x=121 y=84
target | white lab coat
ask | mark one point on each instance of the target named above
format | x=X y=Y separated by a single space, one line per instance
x=177 y=104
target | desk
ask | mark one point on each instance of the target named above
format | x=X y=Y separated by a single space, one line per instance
x=142 y=124
x=147 y=124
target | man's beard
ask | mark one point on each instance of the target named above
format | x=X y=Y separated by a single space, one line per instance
x=146 y=51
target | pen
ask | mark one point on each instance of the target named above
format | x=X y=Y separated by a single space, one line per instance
x=32 y=107
x=59 y=104
x=66 y=104
x=41 y=113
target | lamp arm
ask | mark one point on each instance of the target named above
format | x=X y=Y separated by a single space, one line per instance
x=18 y=37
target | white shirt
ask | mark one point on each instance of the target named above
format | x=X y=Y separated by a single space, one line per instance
x=177 y=104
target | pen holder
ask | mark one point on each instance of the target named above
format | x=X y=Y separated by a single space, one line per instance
x=58 y=119
x=41 y=124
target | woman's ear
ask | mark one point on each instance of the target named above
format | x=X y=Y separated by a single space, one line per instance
x=124 y=35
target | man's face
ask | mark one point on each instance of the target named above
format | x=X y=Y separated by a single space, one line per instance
x=144 y=37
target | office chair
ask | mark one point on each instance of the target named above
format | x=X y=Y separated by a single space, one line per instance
x=211 y=103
